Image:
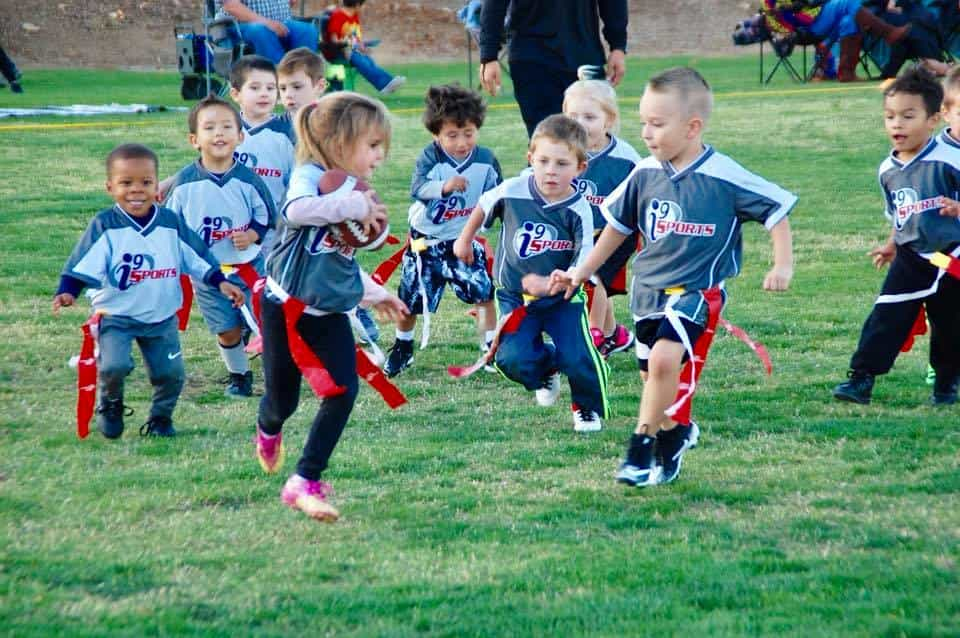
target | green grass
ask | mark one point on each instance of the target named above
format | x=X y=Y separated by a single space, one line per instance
x=471 y=512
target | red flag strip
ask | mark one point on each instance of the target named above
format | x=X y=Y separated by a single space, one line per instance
x=87 y=375
x=756 y=346
x=183 y=314
x=507 y=325
x=680 y=410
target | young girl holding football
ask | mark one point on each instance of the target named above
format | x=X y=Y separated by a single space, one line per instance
x=313 y=281
x=593 y=103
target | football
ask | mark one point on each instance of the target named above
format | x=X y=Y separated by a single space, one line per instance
x=348 y=231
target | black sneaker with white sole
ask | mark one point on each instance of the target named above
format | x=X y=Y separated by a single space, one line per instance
x=400 y=357
x=158 y=426
x=671 y=444
x=640 y=467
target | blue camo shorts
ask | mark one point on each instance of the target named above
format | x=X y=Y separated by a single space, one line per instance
x=471 y=284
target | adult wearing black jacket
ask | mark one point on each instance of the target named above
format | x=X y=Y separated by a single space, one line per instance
x=548 y=41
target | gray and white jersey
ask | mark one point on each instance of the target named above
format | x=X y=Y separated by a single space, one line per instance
x=690 y=221
x=913 y=192
x=267 y=150
x=307 y=262
x=535 y=236
x=443 y=217
x=216 y=207
x=136 y=271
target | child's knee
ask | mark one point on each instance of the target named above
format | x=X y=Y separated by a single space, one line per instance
x=116 y=370
x=230 y=337
x=665 y=362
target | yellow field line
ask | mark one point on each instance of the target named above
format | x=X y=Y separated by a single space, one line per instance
x=414 y=111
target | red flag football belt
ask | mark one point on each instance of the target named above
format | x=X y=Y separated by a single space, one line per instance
x=697 y=353
x=87 y=375
x=318 y=376
x=507 y=325
x=183 y=314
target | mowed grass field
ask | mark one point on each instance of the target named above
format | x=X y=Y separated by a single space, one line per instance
x=470 y=511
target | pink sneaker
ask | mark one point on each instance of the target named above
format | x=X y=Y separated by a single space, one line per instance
x=269 y=450
x=310 y=497
x=620 y=340
x=597 y=335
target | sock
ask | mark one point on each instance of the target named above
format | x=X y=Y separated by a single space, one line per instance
x=640 y=446
x=488 y=336
x=404 y=335
x=235 y=358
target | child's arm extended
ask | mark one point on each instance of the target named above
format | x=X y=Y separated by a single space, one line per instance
x=779 y=277
x=463 y=247
x=609 y=240
x=387 y=305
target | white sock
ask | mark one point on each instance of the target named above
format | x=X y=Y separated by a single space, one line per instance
x=235 y=358
x=488 y=336
x=404 y=335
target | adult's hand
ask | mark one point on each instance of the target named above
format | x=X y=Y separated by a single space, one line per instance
x=616 y=66
x=277 y=27
x=490 y=77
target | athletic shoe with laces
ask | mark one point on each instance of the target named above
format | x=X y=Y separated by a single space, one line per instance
x=240 y=386
x=640 y=468
x=393 y=85
x=857 y=389
x=269 y=450
x=621 y=339
x=597 y=335
x=585 y=420
x=945 y=392
x=310 y=497
x=400 y=357
x=547 y=394
x=110 y=415
x=671 y=444
x=158 y=426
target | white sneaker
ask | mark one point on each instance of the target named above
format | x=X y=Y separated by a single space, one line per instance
x=547 y=395
x=393 y=85
x=694 y=436
x=586 y=420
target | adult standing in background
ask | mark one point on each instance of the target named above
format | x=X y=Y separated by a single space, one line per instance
x=269 y=27
x=548 y=41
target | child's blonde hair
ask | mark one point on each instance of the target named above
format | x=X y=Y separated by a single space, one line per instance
x=951 y=86
x=301 y=58
x=328 y=129
x=601 y=92
x=689 y=85
x=560 y=128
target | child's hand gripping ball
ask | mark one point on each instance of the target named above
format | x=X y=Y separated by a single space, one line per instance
x=352 y=232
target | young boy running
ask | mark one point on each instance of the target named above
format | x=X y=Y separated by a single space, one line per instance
x=918 y=181
x=132 y=254
x=451 y=174
x=229 y=207
x=689 y=203
x=546 y=224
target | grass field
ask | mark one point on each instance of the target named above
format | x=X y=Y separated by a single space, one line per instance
x=471 y=512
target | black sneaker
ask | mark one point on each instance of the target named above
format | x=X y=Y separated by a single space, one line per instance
x=158 y=426
x=400 y=357
x=640 y=468
x=945 y=392
x=857 y=390
x=110 y=415
x=671 y=444
x=240 y=386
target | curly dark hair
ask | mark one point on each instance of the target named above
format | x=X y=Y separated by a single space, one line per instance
x=919 y=81
x=452 y=103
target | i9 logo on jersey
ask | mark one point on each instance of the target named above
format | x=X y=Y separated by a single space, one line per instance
x=663 y=217
x=907 y=203
x=588 y=189
x=137 y=267
x=535 y=239
x=452 y=207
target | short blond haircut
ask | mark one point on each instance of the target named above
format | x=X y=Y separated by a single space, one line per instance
x=560 y=128
x=329 y=129
x=601 y=92
x=301 y=58
x=689 y=86
x=951 y=86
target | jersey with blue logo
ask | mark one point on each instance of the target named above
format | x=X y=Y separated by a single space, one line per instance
x=443 y=217
x=307 y=262
x=267 y=149
x=913 y=193
x=691 y=221
x=535 y=236
x=216 y=207
x=134 y=271
x=606 y=169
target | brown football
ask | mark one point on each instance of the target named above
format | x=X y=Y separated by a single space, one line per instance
x=348 y=231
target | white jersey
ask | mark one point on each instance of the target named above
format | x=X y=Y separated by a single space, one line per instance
x=135 y=271
x=267 y=150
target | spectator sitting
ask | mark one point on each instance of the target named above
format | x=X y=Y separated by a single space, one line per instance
x=922 y=42
x=268 y=26
x=343 y=29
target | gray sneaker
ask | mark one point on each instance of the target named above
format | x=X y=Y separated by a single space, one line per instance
x=393 y=85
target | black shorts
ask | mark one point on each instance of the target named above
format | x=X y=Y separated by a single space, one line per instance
x=649 y=331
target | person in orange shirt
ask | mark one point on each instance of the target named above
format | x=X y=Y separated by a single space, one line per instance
x=343 y=30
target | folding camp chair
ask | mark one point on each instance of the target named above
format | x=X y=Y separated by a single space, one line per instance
x=204 y=59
